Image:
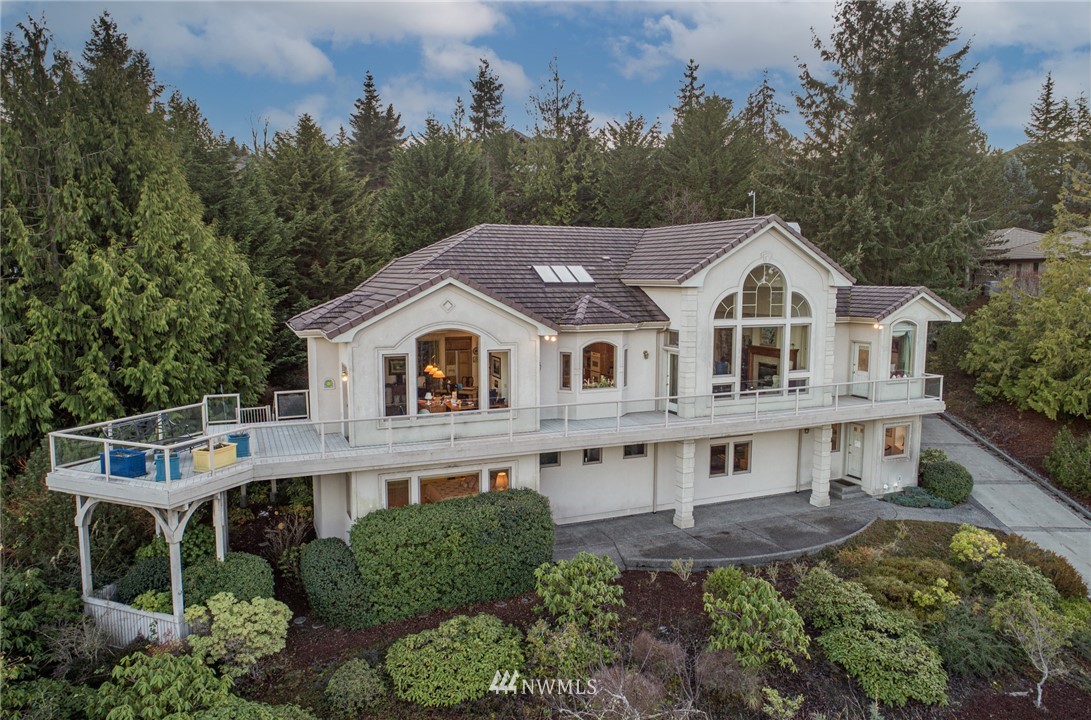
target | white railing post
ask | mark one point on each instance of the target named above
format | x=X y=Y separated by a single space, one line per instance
x=566 y=420
x=166 y=466
x=908 y=390
x=322 y=439
x=874 y=392
x=52 y=452
x=617 y=424
x=204 y=415
x=797 y=402
x=106 y=459
x=941 y=387
x=211 y=458
x=511 y=424
x=452 y=425
x=757 y=394
x=712 y=409
x=666 y=412
x=389 y=435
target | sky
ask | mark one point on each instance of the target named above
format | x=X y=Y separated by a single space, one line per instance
x=248 y=64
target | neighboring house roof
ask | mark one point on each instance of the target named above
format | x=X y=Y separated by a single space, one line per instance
x=1015 y=244
x=877 y=302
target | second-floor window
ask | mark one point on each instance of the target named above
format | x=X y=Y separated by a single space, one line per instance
x=566 y=371
x=599 y=366
x=903 y=336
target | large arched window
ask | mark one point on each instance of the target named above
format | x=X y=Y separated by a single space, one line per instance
x=903 y=336
x=599 y=366
x=761 y=335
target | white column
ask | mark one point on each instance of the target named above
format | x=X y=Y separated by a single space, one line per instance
x=84 y=508
x=685 y=451
x=687 y=354
x=219 y=523
x=820 y=472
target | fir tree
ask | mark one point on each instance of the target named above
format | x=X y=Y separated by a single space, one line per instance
x=208 y=159
x=1050 y=129
x=692 y=93
x=629 y=183
x=375 y=135
x=486 y=102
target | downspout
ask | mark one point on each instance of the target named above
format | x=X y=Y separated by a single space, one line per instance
x=655 y=476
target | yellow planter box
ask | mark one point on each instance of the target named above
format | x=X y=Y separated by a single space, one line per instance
x=223 y=454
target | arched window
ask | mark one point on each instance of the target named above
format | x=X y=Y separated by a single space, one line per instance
x=903 y=336
x=800 y=307
x=763 y=293
x=599 y=366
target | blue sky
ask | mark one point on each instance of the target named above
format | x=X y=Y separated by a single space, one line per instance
x=248 y=63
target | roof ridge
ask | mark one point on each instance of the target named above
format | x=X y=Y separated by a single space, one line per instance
x=448 y=243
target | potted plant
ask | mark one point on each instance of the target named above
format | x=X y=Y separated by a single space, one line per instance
x=222 y=455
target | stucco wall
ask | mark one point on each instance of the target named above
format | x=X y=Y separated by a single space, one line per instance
x=616 y=486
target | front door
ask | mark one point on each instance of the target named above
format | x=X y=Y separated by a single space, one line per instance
x=860 y=372
x=854 y=453
x=672 y=381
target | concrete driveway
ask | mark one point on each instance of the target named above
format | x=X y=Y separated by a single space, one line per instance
x=1016 y=500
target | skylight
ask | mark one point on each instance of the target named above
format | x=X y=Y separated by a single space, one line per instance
x=565 y=274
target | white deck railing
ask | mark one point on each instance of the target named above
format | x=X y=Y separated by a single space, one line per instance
x=88 y=449
x=123 y=624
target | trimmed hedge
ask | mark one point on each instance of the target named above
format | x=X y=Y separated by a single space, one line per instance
x=1004 y=576
x=947 y=480
x=1069 y=462
x=243 y=575
x=334 y=587
x=418 y=558
x=1060 y=572
x=151 y=573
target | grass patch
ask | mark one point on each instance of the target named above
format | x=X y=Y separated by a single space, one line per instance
x=921 y=538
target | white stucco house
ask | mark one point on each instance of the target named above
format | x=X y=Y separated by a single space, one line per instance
x=616 y=371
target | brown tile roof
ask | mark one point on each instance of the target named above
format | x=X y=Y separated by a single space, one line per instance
x=1015 y=244
x=498 y=261
x=875 y=302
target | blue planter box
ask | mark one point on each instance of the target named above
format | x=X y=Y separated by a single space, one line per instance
x=124 y=463
x=160 y=471
x=242 y=444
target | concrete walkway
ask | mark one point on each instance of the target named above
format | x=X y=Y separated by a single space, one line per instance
x=1018 y=502
x=784 y=526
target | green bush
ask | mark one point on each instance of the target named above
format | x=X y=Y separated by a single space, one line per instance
x=243 y=575
x=1078 y=611
x=235 y=708
x=237 y=633
x=890 y=669
x=334 y=587
x=969 y=646
x=455 y=662
x=153 y=601
x=947 y=480
x=751 y=618
x=354 y=688
x=153 y=687
x=1065 y=578
x=826 y=601
x=1004 y=577
x=975 y=545
x=1069 y=462
x=44 y=699
x=916 y=497
x=29 y=611
x=582 y=591
x=418 y=558
x=907 y=583
x=198 y=545
x=932 y=455
x=151 y=573
x=566 y=651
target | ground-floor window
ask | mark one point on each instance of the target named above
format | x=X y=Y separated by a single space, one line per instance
x=499 y=479
x=634 y=451
x=592 y=456
x=739 y=453
x=549 y=459
x=397 y=492
x=835 y=438
x=445 y=487
x=895 y=441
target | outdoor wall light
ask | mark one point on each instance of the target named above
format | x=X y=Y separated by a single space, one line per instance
x=878 y=326
x=344 y=376
x=645 y=354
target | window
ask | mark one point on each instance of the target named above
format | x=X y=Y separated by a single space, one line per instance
x=723 y=350
x=566 y=371
x=896 y=441
x=549 y=459
x=800 y=307
x=592 y=456
x=726 y=309
x=671 y=340
x=800 y=352
x=397 y=492
x=634 y=451
x=835 y=438
x=625 y=367
x=598 y=366
x=901 y=349
x=394 y=400
x=739 y=452
x=763 y=293
x=445 y=487
x=499 y=479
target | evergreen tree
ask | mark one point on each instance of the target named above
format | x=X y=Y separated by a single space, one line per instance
x=1050 y=129
x=117 y=296
x=486 y=102
x=458 y=120
x=629 y=183
x=438 y=187
x=208 y=159
x=692 y=93
x=888 y=177
x=761 y=116
x=375 y=135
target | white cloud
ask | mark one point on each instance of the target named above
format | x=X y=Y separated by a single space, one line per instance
x=316 y=105
x=1043 y=26
x=1005 y=98
x=415 y=101
x=459 y=60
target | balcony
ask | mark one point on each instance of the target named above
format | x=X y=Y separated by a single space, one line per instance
x=116 y=460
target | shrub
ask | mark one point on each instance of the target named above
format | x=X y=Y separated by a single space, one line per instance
x=1069 y=462
x=1004 y=576
x=243 y=575
x=566 y=651
x=947 y=480
x=780 y=707
x=421 y=557
x=664 y=660
x=750 y=617
x=932 y=455
x=890 y=669
x=198 y=545
x=624 y=693
x=455 y=662
x=1078 y=610
x=354 y=688
x=237 y=633
x=153 y=601
x=29 y=610
x=916 y=497
x=969 y=646
x=44 y=699
x=1065 y=578
x=912 y=582
x=719 y=674
x=975 y=545
x=1039 y=630
x=152 y=687
x=79 y=650
x=151 y=573
x=581 y=591
x=827 y=601
x=238 y=709
x=334 y=587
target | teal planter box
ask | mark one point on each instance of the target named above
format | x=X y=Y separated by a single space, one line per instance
x=124 y=462
x=160 y=470
x=242 y=443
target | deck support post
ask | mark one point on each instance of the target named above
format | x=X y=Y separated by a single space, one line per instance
x=685 y=451
x=272 y=491
x=173 y=524
x=820 y=470
x=85 y=507
x=219 y=523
